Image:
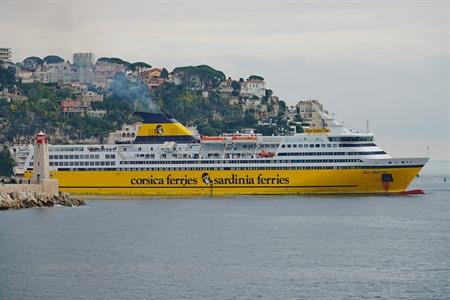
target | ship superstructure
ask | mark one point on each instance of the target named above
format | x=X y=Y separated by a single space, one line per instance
x=165 y=158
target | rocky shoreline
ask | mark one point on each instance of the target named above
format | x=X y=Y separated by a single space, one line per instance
x=18 y=200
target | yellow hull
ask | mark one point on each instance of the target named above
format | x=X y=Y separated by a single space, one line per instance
x=234 y=182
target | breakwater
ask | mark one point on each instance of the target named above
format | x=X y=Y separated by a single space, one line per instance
x=27 y=199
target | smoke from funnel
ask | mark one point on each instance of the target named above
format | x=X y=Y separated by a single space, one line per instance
x=135 y=92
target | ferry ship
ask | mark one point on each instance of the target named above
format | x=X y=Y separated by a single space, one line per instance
x=165 y=158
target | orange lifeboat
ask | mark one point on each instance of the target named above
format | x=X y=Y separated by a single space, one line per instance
x=213 y=138
x=264 y=153
x=244 y=138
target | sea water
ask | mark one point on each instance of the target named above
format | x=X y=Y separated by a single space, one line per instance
x=273 y=247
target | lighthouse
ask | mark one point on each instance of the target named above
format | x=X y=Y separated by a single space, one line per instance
x=40 y=159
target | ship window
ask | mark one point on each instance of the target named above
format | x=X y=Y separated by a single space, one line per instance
x=317 y=145
x=329 y=145
x=61 y=156
x=66 y=163
x=92 y=156
x=51 y=163
x=323 y=145
x=283 y=146
x=50 y=156
x=65 y=157
x=70 y=156
x=311 y=145
x=289 y=145
x=91 y=163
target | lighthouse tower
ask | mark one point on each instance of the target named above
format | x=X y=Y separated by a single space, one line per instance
x=40 y=160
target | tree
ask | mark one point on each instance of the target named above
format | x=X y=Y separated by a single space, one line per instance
x=256 y=77
x=7 y=76
x=114 y=60
x=208 y=77
x=53 y=59
x=32 y=62
x=140 y=64
x=6 y=162
x=235 y=86
x=164 y=73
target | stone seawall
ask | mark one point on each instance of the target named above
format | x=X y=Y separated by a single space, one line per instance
x=48 y=186
x=20 y=199
x=35 y=195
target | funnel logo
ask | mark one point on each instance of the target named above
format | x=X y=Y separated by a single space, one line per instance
x=159 y=130
x=206 y=179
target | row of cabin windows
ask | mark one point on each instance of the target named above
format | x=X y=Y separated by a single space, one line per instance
x=222 y=168
x=82 y=163
x=327 y=145
x=329 y=153
x=65 y=149
x=350 y=138
x=131 y=162
x=81 y=156
x=309 y=145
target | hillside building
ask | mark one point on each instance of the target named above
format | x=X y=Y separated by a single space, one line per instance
x=309 y=112
x=5 y=54
x=253 y=87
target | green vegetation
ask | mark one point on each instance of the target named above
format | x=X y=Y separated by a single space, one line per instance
x=23 y=119
x=202 y=75
x=139 y=64
x=6 y=162
x=7 y=76
x=212 y=115
x=114 y=60
x=32 y=62
x=256 y=77
x=53 y=59
x=194 y=102
x=128 y=65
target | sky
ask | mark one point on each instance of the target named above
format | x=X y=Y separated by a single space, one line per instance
x=382 y=61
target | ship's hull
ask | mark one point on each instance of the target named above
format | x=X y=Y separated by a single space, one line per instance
x=236 y=182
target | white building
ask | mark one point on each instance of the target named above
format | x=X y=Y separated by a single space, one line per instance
x=5 y=54
x=309 y=111
x=125 y=135
x=25 y=76
x=56 y=73
x=253 y=87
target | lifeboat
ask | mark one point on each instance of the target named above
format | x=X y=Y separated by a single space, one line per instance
x=243 y=138
x=264 y=153
x=206 y=138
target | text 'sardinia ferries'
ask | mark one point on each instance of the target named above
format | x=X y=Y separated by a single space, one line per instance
x=165 y=158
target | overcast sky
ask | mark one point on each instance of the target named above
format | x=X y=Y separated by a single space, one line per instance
x=386 y=61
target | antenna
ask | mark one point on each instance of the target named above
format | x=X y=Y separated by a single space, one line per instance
x=367 y=126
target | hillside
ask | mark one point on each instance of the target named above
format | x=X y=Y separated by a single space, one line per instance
x=196 y=99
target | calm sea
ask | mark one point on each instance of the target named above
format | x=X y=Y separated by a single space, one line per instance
x=289 y=247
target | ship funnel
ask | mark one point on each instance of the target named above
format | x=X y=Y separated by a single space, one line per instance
x=158 y=128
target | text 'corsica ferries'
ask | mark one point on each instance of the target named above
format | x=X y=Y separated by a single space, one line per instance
x=165 y=158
